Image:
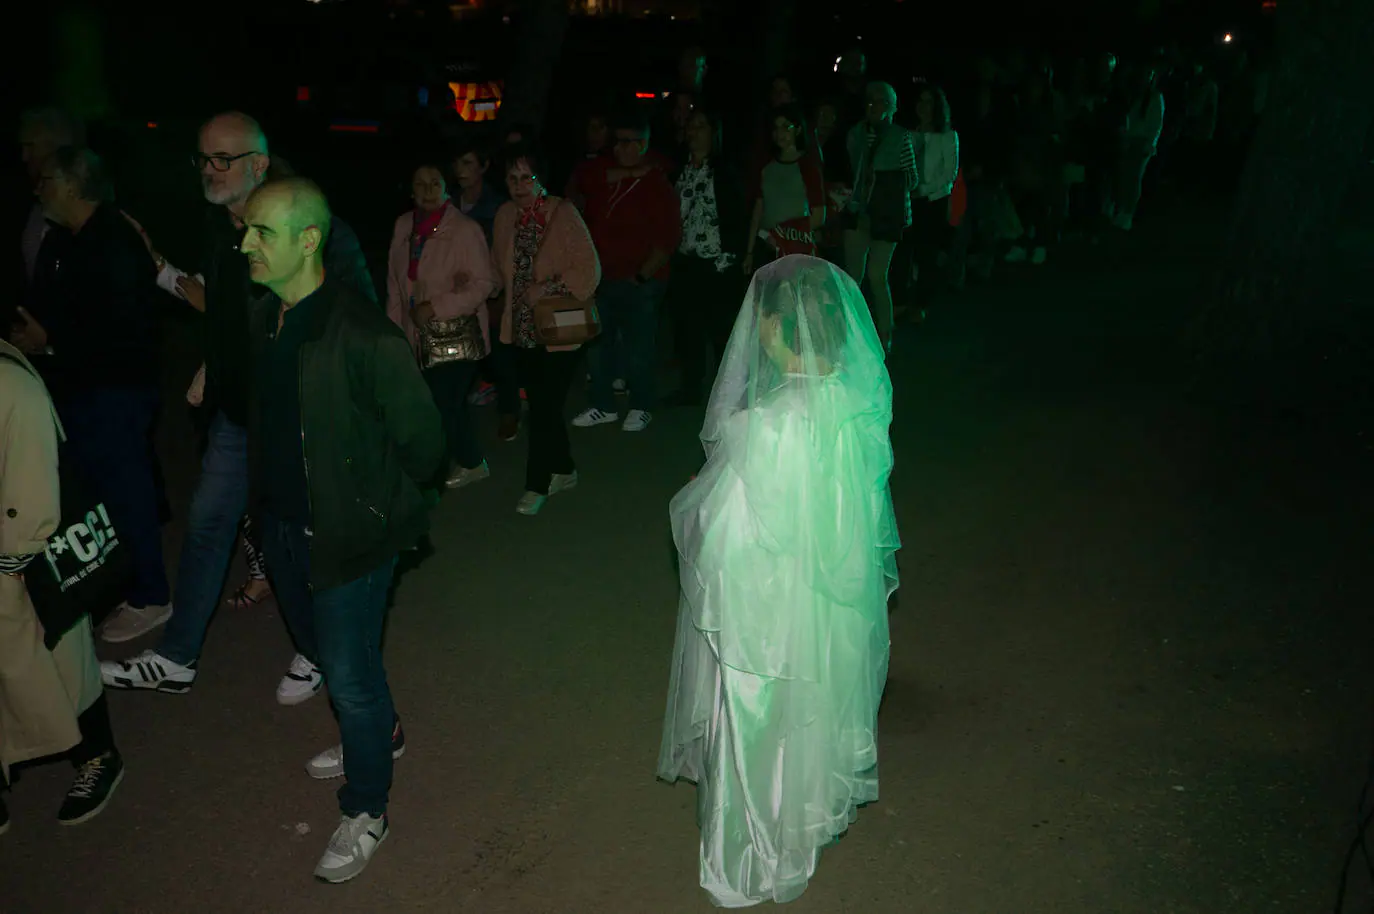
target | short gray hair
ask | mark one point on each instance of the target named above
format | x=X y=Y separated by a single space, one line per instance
x=87 y=171
x=886 y=90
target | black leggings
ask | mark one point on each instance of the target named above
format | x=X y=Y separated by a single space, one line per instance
x=931 y=233
x=703 y=303
x=97 y=735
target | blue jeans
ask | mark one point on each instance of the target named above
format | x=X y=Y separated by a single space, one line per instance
x=340 y=631
x=629 y=327
x=212 y=525
x=108 y=432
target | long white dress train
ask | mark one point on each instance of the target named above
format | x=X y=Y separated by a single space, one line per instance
x=787 y=549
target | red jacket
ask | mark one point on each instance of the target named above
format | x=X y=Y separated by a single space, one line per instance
x=629 y=219
x=587 y=184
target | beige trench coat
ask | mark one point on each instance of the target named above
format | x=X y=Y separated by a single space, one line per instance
x=41 y=692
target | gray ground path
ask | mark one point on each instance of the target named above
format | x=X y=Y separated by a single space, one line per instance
x=1128 y=668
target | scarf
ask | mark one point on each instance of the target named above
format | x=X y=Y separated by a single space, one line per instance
x=426 y=224
x=533 y=212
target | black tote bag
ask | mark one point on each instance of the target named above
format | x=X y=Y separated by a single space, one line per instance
x=84 y=570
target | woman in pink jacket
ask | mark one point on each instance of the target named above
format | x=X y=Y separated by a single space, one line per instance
x=439 y=277
x=541 y=248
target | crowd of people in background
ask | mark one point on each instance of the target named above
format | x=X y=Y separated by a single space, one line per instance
x=911 y=189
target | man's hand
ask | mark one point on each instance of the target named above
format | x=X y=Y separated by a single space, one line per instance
x=195 y=395
x=192 y=291
x=422 y=314
x=28 y=335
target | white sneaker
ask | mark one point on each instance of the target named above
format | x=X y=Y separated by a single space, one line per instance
x=148 y=670
x=593 y=416
x=530 y=504
x=637 y=420
x=463 y=476
x=1038 y=256
x=352 y=846
x=330 y=763
x=129 y=622
x=1016 y=255
x=302 y=682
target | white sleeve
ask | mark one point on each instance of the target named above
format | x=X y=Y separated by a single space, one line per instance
x=167 y=279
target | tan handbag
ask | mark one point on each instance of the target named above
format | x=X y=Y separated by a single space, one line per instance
x=566 y=321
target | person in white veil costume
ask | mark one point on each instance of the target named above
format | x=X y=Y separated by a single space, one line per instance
x=787 y=545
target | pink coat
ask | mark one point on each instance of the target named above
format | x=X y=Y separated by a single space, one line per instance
x=566 y=257
x=455 y=272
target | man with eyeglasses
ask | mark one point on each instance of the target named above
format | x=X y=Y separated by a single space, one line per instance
x=233 y=160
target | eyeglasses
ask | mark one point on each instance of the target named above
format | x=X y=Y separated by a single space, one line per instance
x=219 y=163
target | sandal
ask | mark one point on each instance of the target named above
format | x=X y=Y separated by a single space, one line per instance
x=242 y=599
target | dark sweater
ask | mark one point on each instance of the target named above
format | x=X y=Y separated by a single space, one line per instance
x=95 y=293
x=285 y=486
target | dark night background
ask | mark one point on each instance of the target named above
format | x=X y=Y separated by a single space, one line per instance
x=173 y=64
x=1130 y=665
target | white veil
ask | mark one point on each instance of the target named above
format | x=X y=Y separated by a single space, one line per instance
x=787 y=543
x=799 y=414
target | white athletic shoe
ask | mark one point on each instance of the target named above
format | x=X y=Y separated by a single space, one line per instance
x=330 y=763
x=148 y=670
x=352 y=846
x=637 y=420
x=302 y=682
x=593 y=416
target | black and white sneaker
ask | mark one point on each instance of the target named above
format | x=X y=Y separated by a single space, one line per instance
x=148 y=670
x=351 y=847
x=94 y=785
x=302 y=682
x=591 y=416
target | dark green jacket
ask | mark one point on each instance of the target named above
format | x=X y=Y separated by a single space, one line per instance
x=373 y=439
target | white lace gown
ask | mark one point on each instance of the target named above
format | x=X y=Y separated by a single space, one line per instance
x=787 y=544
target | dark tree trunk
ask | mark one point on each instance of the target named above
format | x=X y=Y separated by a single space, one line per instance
x=542 y=25
x=778 y=19
x=1276 y=294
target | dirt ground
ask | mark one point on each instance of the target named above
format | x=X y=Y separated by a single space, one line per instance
x=1129 y=665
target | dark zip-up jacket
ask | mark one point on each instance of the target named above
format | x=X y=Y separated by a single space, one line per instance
x=372 y=437
x=95 y=292
x=229 y=296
